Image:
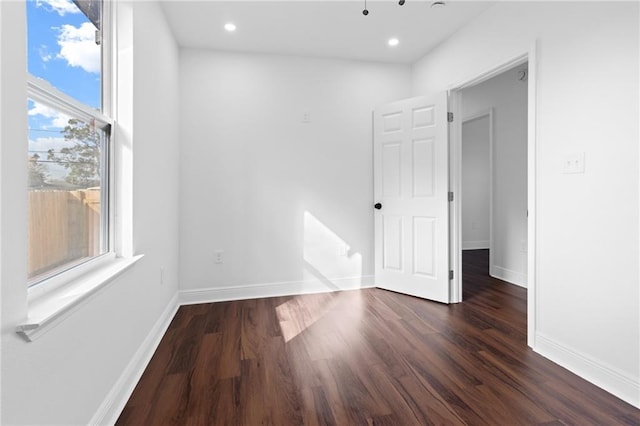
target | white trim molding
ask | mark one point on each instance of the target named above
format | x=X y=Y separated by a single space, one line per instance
x=42 y=91
x=508 y=275
x=604 y=376
x=116 y=399
x=257 y=291
x=50 y=308
x=475 y=245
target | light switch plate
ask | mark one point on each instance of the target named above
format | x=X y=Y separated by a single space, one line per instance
x=573 y=163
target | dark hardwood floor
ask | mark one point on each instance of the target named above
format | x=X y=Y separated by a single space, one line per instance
x=364 y=357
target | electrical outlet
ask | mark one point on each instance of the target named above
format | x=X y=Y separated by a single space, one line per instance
x=306 y=117
x=474 y=226
x=218 y=256
x=343 y=251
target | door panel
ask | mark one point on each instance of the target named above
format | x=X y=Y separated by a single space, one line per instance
x=392 y=246
x=411 y=160
x=391 y=169
x=423 y=246
x=423 y=167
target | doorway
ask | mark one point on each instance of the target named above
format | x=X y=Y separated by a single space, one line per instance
x=476 y=198
x=493 y=194
x=492 y=157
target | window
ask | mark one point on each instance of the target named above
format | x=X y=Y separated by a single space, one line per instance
x=69 y=147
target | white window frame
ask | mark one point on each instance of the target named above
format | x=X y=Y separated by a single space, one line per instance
x=43 y=92
x=57 y=296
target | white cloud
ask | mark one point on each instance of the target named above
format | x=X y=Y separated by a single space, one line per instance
x=78 y=47
x=58 y=119
x=62 y=7
x=42 y=145
x=43 y=51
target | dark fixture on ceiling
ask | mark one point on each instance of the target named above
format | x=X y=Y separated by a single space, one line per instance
x=436 y=4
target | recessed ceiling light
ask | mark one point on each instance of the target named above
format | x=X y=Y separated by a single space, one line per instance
x=230 y=26
x=393 y=42
x=437 y=4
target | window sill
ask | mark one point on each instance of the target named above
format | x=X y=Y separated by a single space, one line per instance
x=47 y=311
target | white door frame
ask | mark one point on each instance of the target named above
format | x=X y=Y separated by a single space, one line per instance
x=455 y=159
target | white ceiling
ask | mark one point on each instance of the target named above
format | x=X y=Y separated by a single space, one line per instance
x=335 y=29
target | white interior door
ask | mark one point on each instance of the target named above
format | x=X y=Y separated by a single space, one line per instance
x=411 y=185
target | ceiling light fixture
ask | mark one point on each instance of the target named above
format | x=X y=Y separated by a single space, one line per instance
x=393 y=42
x=365 y=11
x=437 y=4
x=230 y=27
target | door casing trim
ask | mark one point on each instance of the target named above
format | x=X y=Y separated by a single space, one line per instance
x=455 y=146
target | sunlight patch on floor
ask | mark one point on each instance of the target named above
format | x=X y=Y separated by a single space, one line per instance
x=328 y=259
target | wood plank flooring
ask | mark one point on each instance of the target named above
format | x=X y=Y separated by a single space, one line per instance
x=368 y=357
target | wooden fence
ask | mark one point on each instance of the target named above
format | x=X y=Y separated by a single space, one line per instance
x=63 y=227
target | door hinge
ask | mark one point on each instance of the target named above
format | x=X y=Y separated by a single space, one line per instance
x=450 y=275
x=450 y=117
x=450 y=196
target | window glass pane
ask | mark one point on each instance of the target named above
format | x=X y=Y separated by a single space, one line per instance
x=62 y=48
x=67 y=211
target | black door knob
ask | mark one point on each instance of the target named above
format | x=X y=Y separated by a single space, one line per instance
x=377 y=206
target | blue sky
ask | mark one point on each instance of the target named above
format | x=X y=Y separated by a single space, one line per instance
x=60 y=49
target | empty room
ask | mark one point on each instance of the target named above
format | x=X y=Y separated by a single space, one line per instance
x=319 y=212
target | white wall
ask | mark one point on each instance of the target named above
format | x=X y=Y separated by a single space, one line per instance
x=283 y=199
x=586 y=290
x=475 y=195
x=280 y=197
x=507 y=96
x=2 y=37
x=64 y=376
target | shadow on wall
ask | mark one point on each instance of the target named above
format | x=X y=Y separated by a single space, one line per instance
x=327 y=257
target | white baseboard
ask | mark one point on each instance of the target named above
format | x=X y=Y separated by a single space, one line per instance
x=606 y=377
x=475 y=245
x=116 y=399
x=257 y=291
x=513 y=277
